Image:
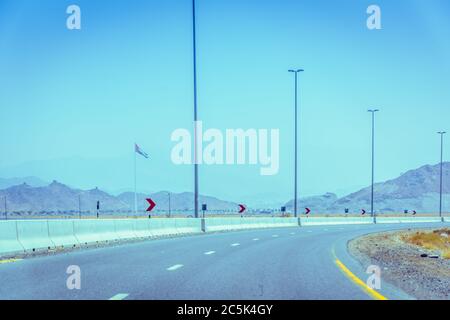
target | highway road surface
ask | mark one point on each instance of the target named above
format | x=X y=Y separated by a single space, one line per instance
x=284 y=263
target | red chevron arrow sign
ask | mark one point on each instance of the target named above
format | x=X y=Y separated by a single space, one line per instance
x=363 y=212
x=242 y=208
x=308 y=210
x=151 y=203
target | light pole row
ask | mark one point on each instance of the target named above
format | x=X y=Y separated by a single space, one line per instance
x=295 y=71
x=372 y=111
x=441 y=133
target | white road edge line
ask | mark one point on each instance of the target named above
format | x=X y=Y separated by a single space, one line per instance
x=175 y=267
x=235 y=244
x=209 y=252
x=119 y=296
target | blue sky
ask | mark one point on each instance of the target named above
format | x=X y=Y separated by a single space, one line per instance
x=72 y=103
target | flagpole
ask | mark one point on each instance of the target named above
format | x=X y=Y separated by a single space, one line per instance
x=135 y=191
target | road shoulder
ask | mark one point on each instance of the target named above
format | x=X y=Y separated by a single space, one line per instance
x=401 y=264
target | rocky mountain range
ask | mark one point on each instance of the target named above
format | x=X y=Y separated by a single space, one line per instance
x=59 y=198
x=414 y=190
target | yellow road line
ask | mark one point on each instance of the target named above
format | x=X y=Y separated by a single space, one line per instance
x=9 y=261
x=371 y=292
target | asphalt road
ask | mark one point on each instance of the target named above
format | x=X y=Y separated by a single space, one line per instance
x=285 y=263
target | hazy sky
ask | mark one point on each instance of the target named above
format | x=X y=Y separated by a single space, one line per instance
x=72 y=103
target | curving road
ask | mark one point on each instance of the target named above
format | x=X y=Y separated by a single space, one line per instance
x=286 y=263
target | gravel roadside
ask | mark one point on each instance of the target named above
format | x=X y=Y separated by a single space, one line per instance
x=401 y=264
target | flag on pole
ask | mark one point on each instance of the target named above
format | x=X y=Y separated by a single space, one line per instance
x=137 y=149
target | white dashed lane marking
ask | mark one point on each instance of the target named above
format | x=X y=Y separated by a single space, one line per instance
x=255 y=239
x=209 y=252
x=235 y=244
x=175 y=267
x=275 y=236
x=119 y=296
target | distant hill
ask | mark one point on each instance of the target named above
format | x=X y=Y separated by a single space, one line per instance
x=58 y=198
x=178 y=201
x=318 y=203
x=32 y=181
x=416 y=189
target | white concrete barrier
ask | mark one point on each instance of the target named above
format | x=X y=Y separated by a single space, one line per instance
x=142 y=228
x=407 y=219
x=248 y=223
x=9 y=241
x=264 y=222
x=317 y=221
x=62 y=233
x=220 y=224
x=28 y=235
x=188 y=225
x=163 y=227
x=285 y=222
x=124 y=229
x=95 y=230
x=34 y=235
x=236 y=223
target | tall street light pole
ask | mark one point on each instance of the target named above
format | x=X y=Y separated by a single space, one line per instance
x=168 y=194
x=440 y=184
x=6 y=210
x=373 y=162
x=79 y=206
x=194 y=47
x=295 y=139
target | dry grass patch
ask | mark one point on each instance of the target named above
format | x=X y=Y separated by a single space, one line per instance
x=433 y=240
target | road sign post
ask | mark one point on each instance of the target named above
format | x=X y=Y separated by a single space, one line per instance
x=151 y=204
x=98 y=208
x=204 y=208
x=308 y=210
x=242 y=208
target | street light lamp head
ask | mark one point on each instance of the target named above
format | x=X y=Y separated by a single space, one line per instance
x=297 y=70
x=373 y=110
x=300 y=70
x=442 y=132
